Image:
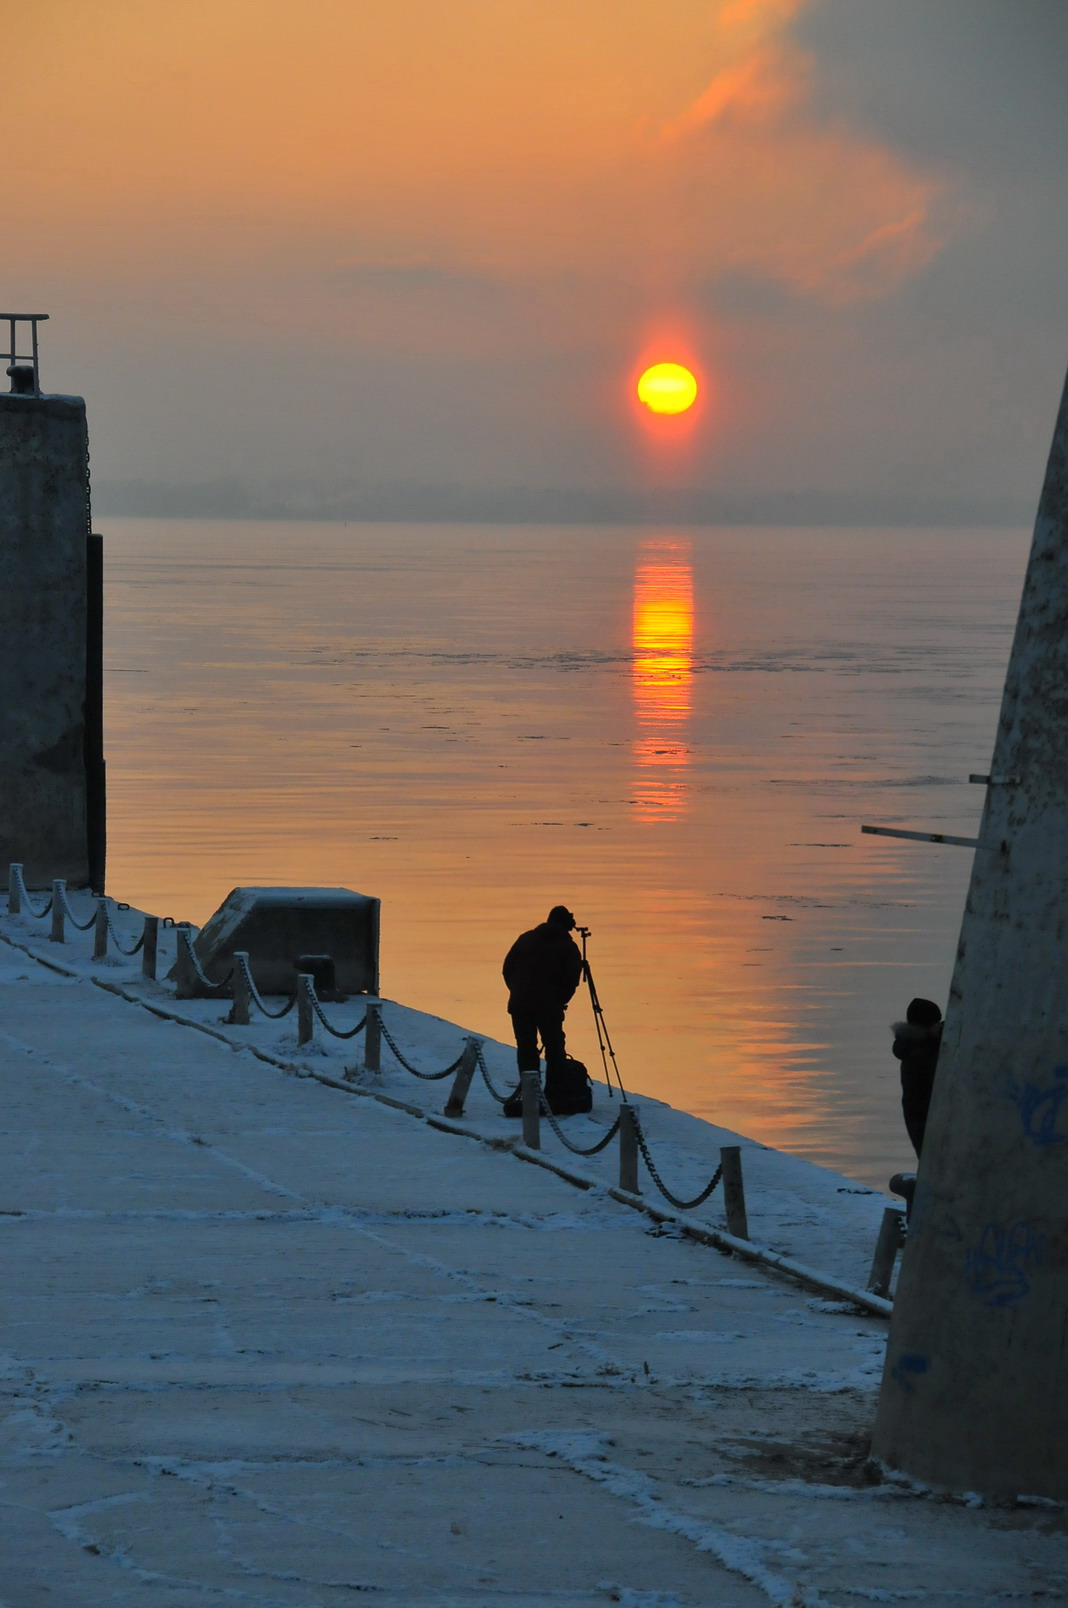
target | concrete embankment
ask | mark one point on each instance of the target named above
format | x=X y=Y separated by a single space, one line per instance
x=270 y=1342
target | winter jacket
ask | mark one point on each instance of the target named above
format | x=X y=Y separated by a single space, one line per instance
x=917 y=1049
x=543 y=968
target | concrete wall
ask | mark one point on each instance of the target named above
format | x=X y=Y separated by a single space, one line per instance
x=44 y=494
x=975 y=1393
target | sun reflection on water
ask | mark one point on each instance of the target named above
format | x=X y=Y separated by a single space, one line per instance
x=662 y=676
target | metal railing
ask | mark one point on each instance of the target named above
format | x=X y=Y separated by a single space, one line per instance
x=240 y=987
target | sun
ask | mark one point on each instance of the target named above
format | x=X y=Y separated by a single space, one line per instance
x=667 y=388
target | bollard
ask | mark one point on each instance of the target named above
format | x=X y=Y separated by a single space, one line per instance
x=454 y=1105
x=628 y=1149
x=372 y=1038
x=59 y=905
x=239 y=1010
x=730 y=1158
x=305 y=1010
x=14 y=888
x=100 y=930
x=184 y=968
x=530 y=1083
x=150 y=947
x=891 y=1238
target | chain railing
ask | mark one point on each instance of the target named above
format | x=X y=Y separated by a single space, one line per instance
x=59 y=897
x=578 y=1150
x=487 y=1080
x=192 y=980
x=18 y=895
x=669 y=1196
x=427 y=1077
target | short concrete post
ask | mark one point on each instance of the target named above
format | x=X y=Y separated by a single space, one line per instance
x=14 y=888
x=59 y=910
x=150 y=947
x=454 y=1105
x=372 y=1038
x=890 y=1240
x=305 y=1009
x=242 y=998
x=100 y=930
x=628 y=1150
x=530 y=1084
x=730 y=1158
x=184 y=968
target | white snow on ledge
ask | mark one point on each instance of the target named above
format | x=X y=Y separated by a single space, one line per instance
x=267 y=1342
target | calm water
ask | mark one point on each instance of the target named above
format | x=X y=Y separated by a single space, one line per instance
x=676 y=733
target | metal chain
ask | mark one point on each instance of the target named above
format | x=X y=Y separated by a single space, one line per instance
x=202 y=975
x=140 y=944
x=487 y=1080
x=680 y=1205
x=335 y=1031
x=82 y=926
x=577 y=1150
x=257 y=998
x=428 y=1077
x=38 y=915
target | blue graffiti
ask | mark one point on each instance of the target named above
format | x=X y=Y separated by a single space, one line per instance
x=997 y=1268
x=1040 y=1107
x=908 y=1367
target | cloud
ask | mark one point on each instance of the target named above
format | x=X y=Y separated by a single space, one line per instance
x=783 y=189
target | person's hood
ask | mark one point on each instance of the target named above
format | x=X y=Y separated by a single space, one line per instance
x=914 y=1033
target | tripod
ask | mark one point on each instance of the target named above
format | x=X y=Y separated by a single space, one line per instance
x=604 y=1041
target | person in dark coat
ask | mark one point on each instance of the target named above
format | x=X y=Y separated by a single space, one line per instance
x=916 y=1043
x=543 y=968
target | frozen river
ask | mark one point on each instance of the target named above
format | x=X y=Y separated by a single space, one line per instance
x=677 y=733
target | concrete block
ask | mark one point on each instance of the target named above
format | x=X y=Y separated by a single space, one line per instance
x=279 y=925
x=44 y=491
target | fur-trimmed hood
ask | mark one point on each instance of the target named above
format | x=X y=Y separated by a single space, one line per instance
x=914 y=1033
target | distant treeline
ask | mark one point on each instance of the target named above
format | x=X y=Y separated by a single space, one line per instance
x=444 y=504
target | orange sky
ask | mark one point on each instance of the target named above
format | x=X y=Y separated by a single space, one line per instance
x=657 y=140
x=456 y=227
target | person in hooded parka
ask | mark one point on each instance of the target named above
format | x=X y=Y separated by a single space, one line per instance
x=543 y=969
x=916 y=1044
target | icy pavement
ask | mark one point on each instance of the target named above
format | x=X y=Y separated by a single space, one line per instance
x=270 y=1343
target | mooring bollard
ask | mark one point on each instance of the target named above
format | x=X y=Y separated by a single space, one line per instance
x=14 y=888
x=628 y=1149
x=454 y=1105
x=150 y=947
x=730 y=1158
x=891 y=1238
x=242 y=999
x=372 y=1038
x=59 y=905
x=305 y=1009
x=100 y=930
x=530 y=1083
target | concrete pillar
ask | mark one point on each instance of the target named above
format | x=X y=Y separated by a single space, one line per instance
x=975 y=1391
x=44 y=525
